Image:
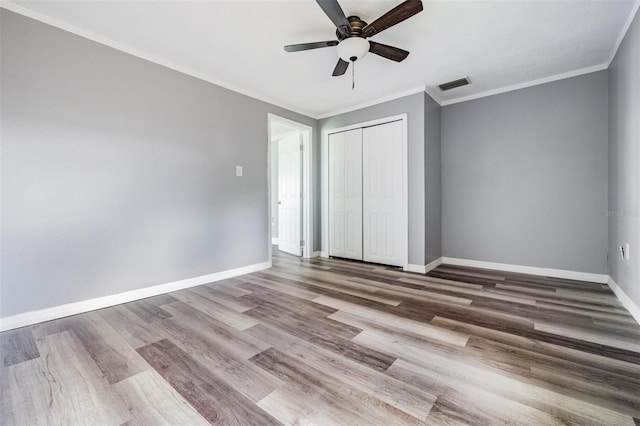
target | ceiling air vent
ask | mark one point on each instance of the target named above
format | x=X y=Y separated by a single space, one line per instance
x=453 y=84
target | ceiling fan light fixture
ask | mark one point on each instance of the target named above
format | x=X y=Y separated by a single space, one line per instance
x=353 y=48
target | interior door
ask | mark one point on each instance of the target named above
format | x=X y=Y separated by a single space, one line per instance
x=289 y=191
x=345 y=194
x=382 y=198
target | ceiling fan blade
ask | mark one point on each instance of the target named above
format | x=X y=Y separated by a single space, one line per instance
x=394 y=16
x=333 y=10
x=341 y=68
x=309 y=46
x=389 y=52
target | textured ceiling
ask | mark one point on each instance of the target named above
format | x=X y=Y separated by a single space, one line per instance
x=238 y=44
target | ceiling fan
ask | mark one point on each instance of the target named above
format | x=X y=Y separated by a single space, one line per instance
x=352 y=33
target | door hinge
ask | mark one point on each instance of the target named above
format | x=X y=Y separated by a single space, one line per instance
x=301 y=147
x=301 y=243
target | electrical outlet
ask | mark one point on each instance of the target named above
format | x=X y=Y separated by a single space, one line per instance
x=621 y=252
x=627 y=254
x=239 y=171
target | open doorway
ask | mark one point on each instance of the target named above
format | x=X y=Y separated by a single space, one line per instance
x=290 y=186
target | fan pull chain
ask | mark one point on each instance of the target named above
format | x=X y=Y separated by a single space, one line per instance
x=353 y=75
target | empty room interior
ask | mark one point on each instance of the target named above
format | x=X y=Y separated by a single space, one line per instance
x=323 y=212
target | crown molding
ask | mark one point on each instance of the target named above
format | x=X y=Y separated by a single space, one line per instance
x=29 y=13
x=526 y=84
x=398 y=95
x=6 y=4
x=604 y=66
x=432 y=94
x=623 y=32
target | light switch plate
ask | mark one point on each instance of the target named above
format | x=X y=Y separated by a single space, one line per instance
x=239 y=171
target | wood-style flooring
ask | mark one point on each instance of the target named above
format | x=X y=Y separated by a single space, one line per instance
x=335 y=342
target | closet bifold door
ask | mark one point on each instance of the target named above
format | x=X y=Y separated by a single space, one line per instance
x=382 y=202
x=345 y=194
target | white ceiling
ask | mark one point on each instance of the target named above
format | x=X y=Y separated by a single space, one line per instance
x=239 y=44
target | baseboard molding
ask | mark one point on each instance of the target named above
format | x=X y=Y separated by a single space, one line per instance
x=545 y=272
x=316 y=254
x=323 y=254
x=48 y=314
x=626 y=301
x=418 y=269
x=275 y=241
x=423 y=269
x=432 y=265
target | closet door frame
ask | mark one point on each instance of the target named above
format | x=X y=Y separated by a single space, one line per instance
x=324 y=177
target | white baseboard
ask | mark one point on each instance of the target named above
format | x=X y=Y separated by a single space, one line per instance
x=626 y=301
x=432 y=265
x=48 y=314
x=323 y=254
x=316 y=254
x=275 y=241
x=418 y=269
x=545 y=272
x=423 y=269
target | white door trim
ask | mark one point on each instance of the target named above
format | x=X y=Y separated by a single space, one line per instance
x=307 y=188
x=324 y=179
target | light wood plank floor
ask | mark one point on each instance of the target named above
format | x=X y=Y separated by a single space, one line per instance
x=335 y=342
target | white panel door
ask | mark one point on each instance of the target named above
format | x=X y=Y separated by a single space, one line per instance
x=382 y=199
x=289 y=188
x=345 y=194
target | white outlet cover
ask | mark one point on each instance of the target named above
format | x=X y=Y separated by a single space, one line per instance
x=239 y=171
x=626 y=252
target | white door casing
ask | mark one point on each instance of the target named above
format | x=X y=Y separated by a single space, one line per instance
x=289 y=189
x=308 y=193
x=382 y=200
x=345 y=194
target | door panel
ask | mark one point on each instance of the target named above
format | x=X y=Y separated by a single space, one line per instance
x=382 y=201
x=345 y=194
x=289 y=188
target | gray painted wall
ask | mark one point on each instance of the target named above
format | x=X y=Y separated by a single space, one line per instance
x=413 y=106
x=524 y=176
x=624 y=162
x=118 y=173
x=432 y=179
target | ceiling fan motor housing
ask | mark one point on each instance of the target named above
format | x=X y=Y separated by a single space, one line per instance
x=356 y=25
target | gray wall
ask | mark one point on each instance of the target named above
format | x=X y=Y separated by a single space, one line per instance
x=624 y=162
x=118 y=173
x=432 y=179
x=524 y=176
x=413 y=106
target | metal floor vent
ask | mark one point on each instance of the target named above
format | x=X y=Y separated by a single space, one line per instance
x=454 y=83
